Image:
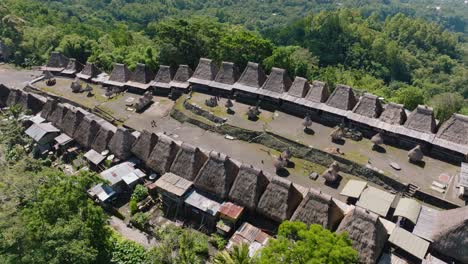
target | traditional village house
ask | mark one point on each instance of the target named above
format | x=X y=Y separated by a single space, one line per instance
x=180 y=84
x=71 y=121
x=365 y=113
x=414 y=247
x=103 y=137
x=204 y=74
x=57 y=62
x=89 y=72
x=43 y=133
x=73 y=67
x=250 y=81
x=13 y=97
x=277 y=83
x=57 y=115
x=118 y=78
x=140 y=79
x=32 y=102
x=163 y=154
x=162 y=81
x=338 y=104
x=376 y=200
x=48 y=108
x=422 y=120
x=250 y=235
x=248 y=187
x=292 y=100
x=188 y=161
x=121 y=143
x=86 y=132
x=451 y=141
x=202 y=209
x=353 y=190
x=227 y=75
x=393 y=114
x=144 y=145
x=407 y=212
x=4 y=93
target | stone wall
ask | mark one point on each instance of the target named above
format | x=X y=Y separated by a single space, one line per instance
x=201 y=112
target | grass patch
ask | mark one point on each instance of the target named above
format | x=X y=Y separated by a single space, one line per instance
x=356 y=157
x=301 y=167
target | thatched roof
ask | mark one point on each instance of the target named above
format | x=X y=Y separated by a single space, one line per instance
x=71 y=121
x=228 y=73
x=183 y=73
x=393 y=114
x=89 y=71
x=253 y=76
x=121 y=143
x=217 y=175
x=248 y=187
x=86 y=132
x=278 y=81
x=318 y=208
x=280 y=200
x=164 y=75
x=188 y=161
x=57 y=60
x=369 y=105
x=142 y=74
x=318 y=92
x=422 y=120
x=205 y=71
x=57 y=115
x=32 y=102
x=342 y=98
x=144 y=145
x=299 y=88
x=4 y=92
x=73 y=66
x=48 y=108
x=103 y=137
x=163 y=154
x=455 y=129
x=451 y=235
x=120 y=73
x=366 y=232
x=13 y=97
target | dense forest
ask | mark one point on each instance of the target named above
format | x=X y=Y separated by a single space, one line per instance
x=410 y=52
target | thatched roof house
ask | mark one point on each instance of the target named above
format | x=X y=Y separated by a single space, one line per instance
x=181 y=77
x=217 y=175
x=103 y=137
x=119 y=76
x=342 y=98
x=205 y=72
x=450 y=236
x=422 y=120
x=71 y=121
x=318 y=208
x=163 y=77
x=227 y=75
x=248 y=187
x=57 y=115
x=4 y=92
x=455 y=129
x=144 y=145
x=57 y=62
x=89 y=71
x=252 y=77
x=121 y=143
x=318 y=92
x=73 y=67
x=393 y=114
x=277 y=82
x=188 y=161
x=142 y=74
x=13 y=97
x=30 y=101
x=366 y=232
x=299 y=88
x=48 y=108
x=369 y=105
x=163 y=154
x=86 y=132
x=280 y=200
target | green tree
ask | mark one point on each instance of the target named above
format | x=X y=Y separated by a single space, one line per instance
x=409 y=96
x=446 y=104
x=76 y=46
x=296 y=60
x=297 y=243
x=238 y=255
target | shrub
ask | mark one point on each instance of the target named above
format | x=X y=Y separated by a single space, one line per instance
x=217 y=241
x=140 y=220
x=140 y=193
x=133 y=206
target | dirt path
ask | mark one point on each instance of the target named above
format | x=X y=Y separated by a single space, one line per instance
x=131 y=233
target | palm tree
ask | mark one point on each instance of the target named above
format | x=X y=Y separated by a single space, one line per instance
x=238 y=255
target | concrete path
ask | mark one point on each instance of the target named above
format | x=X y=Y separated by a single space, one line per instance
x=131 y=233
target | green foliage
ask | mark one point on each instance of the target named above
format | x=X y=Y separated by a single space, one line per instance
x=409 y=96
x=217 y=241
x=140 y=220
x=296 y=243
x=238 y=255
x=140 y=192
x=446 y=104
x=296 y=60
x=133 y=206
x=126 y=251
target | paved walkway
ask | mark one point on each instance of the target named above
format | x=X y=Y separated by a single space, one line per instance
x=131 y=233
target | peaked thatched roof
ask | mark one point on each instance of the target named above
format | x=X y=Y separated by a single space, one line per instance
x=71 y=121
x=253 y=76
x=342 y=98
x=103 y=137
x=120 y=73
x=318 y=92
x=163 y=154
x=144 y=145
x=164 y=75
x=57 y=60
x=248 y=187
x=279 y=200
x=393 y=114
x=4 y=92
x=217 y=175
x=188 y=161
x=369 y=105
x=299 y=88
x=73 y=66
x=366 y=232
x=48 y=108
x=205 y=71
x=142 y=74
x=278 y=81
x=318 y=208
x=32 y=102
x=13 y=97
x=228 y=73
x=183 y=73
x=121 y=143
x=451 y=234
x=89 y=71
x=57 y=115
x=86 y=132
x=422 y=120
x=455 y=129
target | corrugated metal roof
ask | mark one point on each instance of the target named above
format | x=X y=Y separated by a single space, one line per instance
x=38 y=131
x=390 y=258
x=408 y=242
x=63 y=139
x=231 y=210
x=354 y=188
x=173 y=184
x=463 y=175
x=95 y=157
x=409 y=209
x=376 y=200
x=426 y=223
x=203 y=203
x=115 y=174
x=37 y=119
